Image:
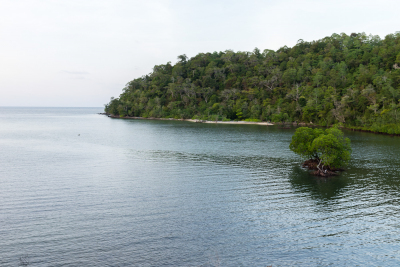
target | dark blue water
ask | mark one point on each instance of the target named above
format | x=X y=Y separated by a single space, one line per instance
x=81 y=189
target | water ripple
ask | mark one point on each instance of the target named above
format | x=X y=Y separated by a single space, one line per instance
x=168 y=193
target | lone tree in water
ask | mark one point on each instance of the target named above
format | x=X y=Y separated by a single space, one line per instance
x=324 y=151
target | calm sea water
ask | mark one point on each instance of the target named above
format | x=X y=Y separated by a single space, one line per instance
x=81 y=189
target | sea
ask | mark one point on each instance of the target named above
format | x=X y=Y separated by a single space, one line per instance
x=81 y=189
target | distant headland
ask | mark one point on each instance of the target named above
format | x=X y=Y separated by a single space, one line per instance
x=351 y=80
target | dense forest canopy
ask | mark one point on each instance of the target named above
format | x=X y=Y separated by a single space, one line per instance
x=353 y=80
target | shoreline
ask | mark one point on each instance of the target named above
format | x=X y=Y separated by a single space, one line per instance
x=244 y=122
x=191 y=120
x=368 y=131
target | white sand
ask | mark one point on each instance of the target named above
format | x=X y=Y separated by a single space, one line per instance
x=232 y=122
x=198 y=121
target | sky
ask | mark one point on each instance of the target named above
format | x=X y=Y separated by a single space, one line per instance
x=79 y=53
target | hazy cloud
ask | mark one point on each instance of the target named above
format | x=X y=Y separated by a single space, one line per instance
x=121 y=40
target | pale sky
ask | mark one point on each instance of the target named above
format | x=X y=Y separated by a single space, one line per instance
x=79 y=53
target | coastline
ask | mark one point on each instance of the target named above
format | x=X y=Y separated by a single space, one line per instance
x=244 y=122
x=369 y=131
x=191 y=120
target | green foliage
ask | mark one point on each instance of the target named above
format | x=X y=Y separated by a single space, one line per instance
x=332 y=148
x=353 y=80
x=302 y=101
x=329 y=147
x=302 y=141
x=252 y=120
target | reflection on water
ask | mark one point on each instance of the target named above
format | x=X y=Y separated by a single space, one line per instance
x=320 y=188
x=79 y=189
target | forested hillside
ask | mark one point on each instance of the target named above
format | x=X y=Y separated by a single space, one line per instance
x=353 y=80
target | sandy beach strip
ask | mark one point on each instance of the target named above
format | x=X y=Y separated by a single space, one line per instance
x=232 y=122
x=196 y=121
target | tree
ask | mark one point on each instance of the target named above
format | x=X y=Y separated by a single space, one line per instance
x=182 y=58
x=326 y=151
x=332 y=149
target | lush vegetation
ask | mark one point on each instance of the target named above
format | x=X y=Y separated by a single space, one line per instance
x=328 y=149
x=353 y=80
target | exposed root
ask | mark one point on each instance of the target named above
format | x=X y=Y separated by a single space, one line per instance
x=314 y=164
x=311 y=164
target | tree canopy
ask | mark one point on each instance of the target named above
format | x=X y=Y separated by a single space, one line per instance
x=329 y=148
x=349 y=79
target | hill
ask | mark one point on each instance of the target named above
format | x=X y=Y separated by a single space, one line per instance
x=353 y=80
